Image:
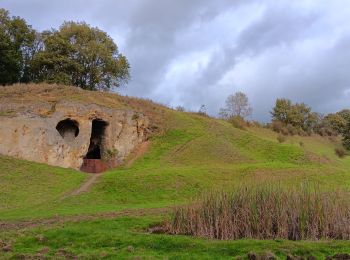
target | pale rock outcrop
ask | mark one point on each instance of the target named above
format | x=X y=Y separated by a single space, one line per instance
x=30 y=133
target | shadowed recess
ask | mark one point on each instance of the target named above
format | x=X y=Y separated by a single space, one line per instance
x=68 y=129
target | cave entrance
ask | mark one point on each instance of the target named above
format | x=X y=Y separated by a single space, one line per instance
x=92 y=161
x=97 y=140
x=68 y=129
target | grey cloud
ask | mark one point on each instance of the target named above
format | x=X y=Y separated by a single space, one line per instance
x=320 y=81
x=153 y=44
x=268 y=49
x=275 y=27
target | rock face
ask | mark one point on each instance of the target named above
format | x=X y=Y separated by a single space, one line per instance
x=64 y=133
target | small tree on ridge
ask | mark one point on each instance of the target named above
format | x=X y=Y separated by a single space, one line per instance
x=236 y=105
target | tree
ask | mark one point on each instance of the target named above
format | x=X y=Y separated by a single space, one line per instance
x=16 y=41
x=180 y=108
x=298 y=115
x=346 y=135
x=81 y=55
x=203 y=110
x=336 y=123
x=236 y=105
x=282 y=110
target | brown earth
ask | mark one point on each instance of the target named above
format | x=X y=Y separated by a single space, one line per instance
x=57 y=220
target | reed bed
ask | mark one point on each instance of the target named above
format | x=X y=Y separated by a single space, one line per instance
x=265 y=212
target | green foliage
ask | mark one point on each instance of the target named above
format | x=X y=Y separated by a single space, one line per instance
x=346 y=135
x=80 y=55
x=292 y=119
x=16 y=46
x=337 y=123
x=297 y=115
x=76 y=54
x=110 y=154
x=282 y=110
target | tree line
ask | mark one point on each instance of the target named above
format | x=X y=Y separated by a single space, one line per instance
x=75 y=54
x=290 y=118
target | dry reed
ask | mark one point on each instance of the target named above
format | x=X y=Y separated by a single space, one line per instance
x=265 y=212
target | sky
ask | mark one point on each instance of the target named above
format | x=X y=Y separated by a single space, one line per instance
x=193 y=52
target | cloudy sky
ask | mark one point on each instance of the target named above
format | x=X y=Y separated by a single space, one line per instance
x=194 y=52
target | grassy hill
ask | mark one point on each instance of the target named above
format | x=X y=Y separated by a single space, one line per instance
x=190 y=154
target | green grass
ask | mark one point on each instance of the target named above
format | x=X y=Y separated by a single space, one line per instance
x=26 y=185
x=193 y=155
x=111 y=238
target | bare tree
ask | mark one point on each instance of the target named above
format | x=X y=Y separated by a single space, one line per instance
x=236 y=105
x=180 y=108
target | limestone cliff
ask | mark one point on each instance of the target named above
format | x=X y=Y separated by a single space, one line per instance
x=65 y=132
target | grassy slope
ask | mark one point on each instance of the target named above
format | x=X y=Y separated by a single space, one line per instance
x=110 y=239
x=193 y=154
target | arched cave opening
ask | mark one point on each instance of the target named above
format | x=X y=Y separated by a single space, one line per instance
x=97 y=140
x=68 y=129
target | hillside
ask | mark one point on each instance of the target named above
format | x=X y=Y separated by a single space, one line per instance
x=188 y=154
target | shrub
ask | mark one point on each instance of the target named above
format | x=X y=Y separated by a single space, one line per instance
x=265 y=212
x=301 y=144
x=284 y=131
x=332 y=138
x=292 y=130
x=340 y=152
x=281 y=138
x=202 y=114
x=238 y=122
x=277 y=126
x=180 y=108
x=257 y=124
x=309 y=132
x=301 y=132
x=109 y=154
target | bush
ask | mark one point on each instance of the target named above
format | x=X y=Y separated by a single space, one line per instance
x=238 y=122
x=277 y=126
x=265 y=212
x=257 y=124
x=301 y=132
x=281 y=138
x=202 y=114
x=340 y=152
x=180 y=108
x=292 y=130
x=284 y=131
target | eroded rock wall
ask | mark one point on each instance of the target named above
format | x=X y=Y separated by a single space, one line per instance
x=31 y=133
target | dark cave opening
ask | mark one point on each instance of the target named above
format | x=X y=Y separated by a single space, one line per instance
x=96 y=147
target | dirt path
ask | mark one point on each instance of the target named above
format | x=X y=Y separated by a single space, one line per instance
x=138 y=152
x=87 y=184
x=15 y=225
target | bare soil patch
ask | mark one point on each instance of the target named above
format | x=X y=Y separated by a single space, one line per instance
x=16 y=225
